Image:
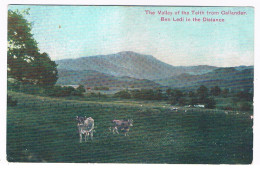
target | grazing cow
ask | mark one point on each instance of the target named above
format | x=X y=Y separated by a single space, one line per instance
x=86 y=129
x=122 y=125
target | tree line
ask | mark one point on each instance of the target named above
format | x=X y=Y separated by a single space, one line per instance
x=202 y=95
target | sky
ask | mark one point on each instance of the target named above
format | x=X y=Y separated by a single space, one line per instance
x=78 y=31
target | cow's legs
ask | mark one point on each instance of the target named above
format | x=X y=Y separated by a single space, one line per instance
x=80 y=138
x=115 y=130
x=91 y=135
x=85 y=137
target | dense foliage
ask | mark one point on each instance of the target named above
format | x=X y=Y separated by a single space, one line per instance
x=11 y=101
x=24 y=60
x=241 y=100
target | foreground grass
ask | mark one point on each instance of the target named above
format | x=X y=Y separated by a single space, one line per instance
x=43 y=129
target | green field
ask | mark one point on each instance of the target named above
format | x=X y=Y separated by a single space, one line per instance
x=44 y=129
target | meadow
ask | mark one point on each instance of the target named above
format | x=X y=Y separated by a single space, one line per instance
x=43 y=129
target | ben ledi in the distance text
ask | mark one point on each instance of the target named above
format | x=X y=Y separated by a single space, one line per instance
x=166 y=13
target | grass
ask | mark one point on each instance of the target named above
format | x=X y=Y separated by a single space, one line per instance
x=43 y=129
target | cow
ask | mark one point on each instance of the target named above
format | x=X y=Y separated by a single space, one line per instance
x=122 y=125
x=86 y=129
x=80 y=119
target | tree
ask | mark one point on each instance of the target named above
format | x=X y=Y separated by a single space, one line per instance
x=168 y=92
x=81 y=89
x=158 y=94
x=123 y=94
x=24 y=61
x=202 y=93
x=177 y=94
x=191 y=94
x=215 y=91
x=210 y=103
x=225 y=92
x=244 y=95
x=11 y=101
x=44 y=71
x=182 y=101
x=22 y=48
x=245 y=106
x=193 y=101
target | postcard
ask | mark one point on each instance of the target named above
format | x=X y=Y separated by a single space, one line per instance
x=130 y=84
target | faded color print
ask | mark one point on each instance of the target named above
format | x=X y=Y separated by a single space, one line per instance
x=130 y=84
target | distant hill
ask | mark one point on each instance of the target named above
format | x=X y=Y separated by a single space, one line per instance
x=92 y=78
x=130 y=64
x=128 y=68
x=230 y=77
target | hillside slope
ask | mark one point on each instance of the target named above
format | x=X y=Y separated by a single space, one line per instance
x=223 y=77
x=130 y=64
x=92 y=78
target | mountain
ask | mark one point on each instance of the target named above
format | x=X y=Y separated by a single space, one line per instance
x=92 y=78
x=235 y=78
x=128 y=68
x=130 y=64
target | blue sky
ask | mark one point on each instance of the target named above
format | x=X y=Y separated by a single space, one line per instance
x=77 y=31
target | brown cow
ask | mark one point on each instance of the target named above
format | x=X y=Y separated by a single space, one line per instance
x=122 y=125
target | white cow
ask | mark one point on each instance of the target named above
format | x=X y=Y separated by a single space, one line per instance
x=87 y=129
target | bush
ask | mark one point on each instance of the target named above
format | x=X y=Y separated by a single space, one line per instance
x=81 y=89
x=245 y=107
x=101 y=88
x=147 y=94
x=228 y=108
x=11 y=101
x=99 y=95
x=210 y=103
x=182 y=101
x=59 y=91
x=123 y=94
x=13 y=86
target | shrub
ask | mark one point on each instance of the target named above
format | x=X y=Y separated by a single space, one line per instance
x=99 y=95
x=228 y=108
x=182 y=101
x=210 y=103
x=123 y=94
x=101 y=88
x=59 y=91
x=245 y=106
x=11 y=101
x=147 y=94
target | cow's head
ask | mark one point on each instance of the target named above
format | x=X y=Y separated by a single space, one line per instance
x=130 y=122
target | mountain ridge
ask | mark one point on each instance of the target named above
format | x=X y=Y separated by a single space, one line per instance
x=91 y=78
x=128 y=68
x=132 y=64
